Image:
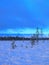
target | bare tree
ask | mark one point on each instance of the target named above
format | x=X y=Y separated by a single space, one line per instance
x=41 y=32
x=37 y=34
x=13 y=44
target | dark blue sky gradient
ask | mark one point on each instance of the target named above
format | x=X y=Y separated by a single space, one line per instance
x=17 y=14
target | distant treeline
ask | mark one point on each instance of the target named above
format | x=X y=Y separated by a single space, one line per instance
x=23 y=38
x=14 y=38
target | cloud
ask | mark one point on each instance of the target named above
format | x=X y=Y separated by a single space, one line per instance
x=18 y=31
x=23 y=31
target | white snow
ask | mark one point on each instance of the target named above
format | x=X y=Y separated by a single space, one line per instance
x=24 y=53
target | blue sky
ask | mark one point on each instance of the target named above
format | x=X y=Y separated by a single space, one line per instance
x=23 y=15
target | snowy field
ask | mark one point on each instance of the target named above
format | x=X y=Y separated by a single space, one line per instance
x=24 y=53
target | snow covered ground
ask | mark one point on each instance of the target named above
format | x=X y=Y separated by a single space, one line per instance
x=24 y=53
